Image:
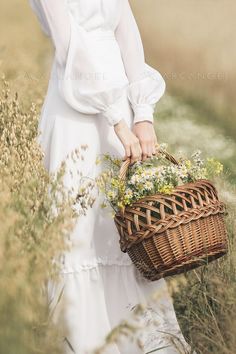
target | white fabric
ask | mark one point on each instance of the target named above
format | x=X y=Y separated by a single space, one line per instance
x=88 y=82
x=100 y=284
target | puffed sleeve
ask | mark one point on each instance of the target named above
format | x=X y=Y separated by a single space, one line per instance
x=80 y=78
x=146 y=84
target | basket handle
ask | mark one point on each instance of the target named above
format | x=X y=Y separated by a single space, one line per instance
x=126 y=163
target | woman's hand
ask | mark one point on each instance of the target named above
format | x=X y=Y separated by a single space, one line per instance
x=146 y=134
x=129 y=140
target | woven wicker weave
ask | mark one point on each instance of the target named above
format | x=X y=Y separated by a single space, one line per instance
x=169 y=234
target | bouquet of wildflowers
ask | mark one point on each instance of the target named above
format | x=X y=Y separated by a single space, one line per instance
x=154 y=175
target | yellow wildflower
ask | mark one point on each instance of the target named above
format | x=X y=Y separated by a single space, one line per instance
x=167 y=189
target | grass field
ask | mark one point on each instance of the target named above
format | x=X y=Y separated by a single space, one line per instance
x=191 y=43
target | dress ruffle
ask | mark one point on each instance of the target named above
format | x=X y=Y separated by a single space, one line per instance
x=93 y=264
x=107 y=295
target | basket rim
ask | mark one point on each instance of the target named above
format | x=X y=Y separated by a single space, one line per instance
x=179 y=187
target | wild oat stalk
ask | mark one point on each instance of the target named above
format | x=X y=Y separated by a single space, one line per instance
x=32 y=233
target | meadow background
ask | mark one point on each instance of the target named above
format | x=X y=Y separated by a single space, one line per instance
x=192 y=44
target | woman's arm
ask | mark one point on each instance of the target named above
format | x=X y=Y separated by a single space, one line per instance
x=70 y=45
x=73 y=54
x=146 y=84
x=130 y=42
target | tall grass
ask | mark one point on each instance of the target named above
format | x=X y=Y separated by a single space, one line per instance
x=36 y=217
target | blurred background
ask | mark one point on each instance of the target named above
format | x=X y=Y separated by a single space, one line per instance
x=192 y=44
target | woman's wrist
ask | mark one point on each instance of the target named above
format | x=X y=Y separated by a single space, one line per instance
x=120 y=124
x=138 y=118
x=142 y=121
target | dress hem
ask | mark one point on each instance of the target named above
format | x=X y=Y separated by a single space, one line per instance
x=67 y=269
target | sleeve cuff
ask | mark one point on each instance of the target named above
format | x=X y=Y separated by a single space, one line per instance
x=143 y=112
x=145 y=92
x=113 y=114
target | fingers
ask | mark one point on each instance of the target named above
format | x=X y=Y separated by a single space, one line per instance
x=133 y=150
x=148 y=149
x=154 y=148
x=139 y=144
x=140 y=151
x=144 y=147
x=146 y=135
x=136 y=151
x=127 y=151
x=155 y=143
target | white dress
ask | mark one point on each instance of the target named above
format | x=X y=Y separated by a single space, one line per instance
x=98 y=77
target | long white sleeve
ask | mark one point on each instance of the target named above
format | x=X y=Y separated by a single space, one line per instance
x=146 y=84
x=93 y=71
x=86 y=81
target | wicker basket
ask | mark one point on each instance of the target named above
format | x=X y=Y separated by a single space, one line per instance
x=170 y=234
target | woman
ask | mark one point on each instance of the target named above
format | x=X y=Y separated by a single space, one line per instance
x=101 y=94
